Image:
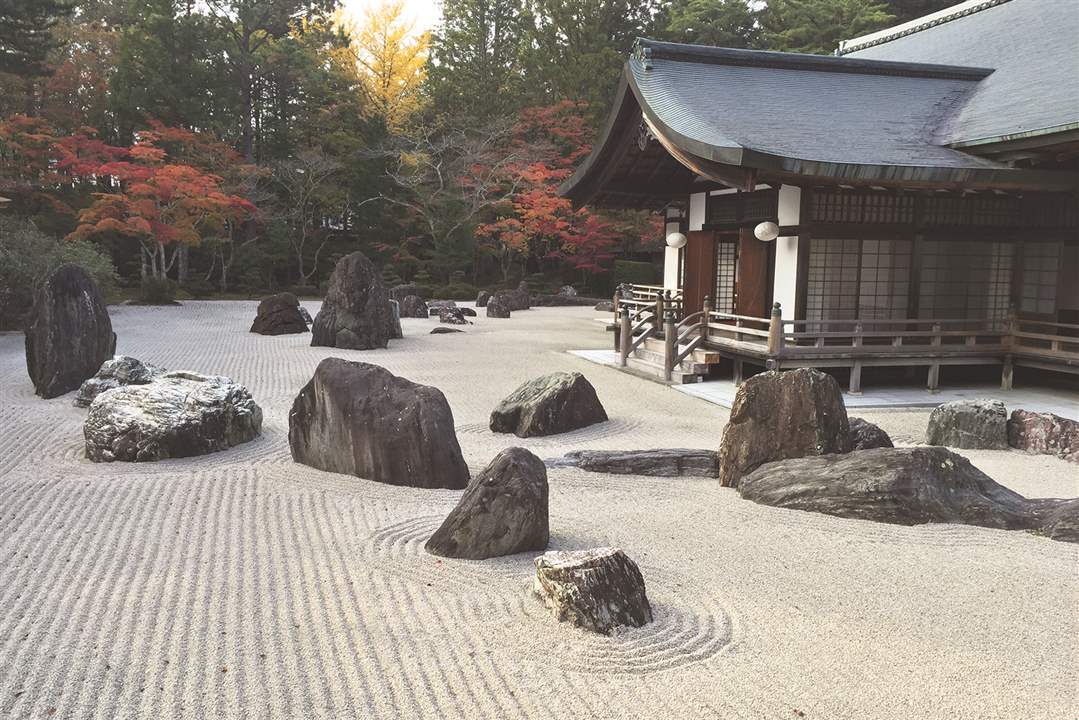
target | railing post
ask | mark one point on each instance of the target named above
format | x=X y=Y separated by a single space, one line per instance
x=670 y=344
x=625 y=335
x=934 y=370
x=706 y=310
x=775 y=330
x=856 y=365
x=657 y=321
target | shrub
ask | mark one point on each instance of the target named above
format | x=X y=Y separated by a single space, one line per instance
x=157 y=291
x=631 y=271
x=27 y=256
x=302 y=291
x=456 y=291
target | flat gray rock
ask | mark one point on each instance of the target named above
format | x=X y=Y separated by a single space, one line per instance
x=666 y=462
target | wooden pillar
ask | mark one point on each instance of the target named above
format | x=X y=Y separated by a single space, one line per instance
x=1007 y=373
x=626 y=336
x=657 y=321
x=670 y=344
x=775 y=330
x=856 y=366
x=933 y=381
x=737 y=374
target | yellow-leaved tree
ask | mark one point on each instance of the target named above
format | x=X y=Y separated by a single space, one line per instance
x=391 y=60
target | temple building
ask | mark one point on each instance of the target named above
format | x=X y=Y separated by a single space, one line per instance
x=928 y=172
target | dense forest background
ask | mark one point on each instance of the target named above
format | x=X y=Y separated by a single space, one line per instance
x=207 y=147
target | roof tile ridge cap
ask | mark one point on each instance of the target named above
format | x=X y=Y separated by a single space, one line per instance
x=646 y=51
x=909 y=29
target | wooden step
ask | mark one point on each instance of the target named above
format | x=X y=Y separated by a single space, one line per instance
x=699 y=355
x=657 y=358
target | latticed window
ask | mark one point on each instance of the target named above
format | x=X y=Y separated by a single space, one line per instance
x=884 y=282
x=1041 y=271
x=965 y=279
x=726 y=269
x=832 y=282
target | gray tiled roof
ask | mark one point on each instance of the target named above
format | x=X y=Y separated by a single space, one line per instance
x=1033 y=48
x=813 y=108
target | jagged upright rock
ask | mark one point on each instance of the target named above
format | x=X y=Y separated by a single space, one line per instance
x=598 y=589
x=68 y=333
x=502 y=512
x=864 y=435
x=550 y=404
x=482 y=298
x=497 y=308
x=393 y=321
x=1044 y=433
x=178 y=414
x=969 y=424
x=778 y=415
x=412 y=306
x=356 y=313
x=360 y=419
x=279 y=315
x=116 y=372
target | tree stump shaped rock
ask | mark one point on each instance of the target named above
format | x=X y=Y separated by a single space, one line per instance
x=598 y=589
x=117 y=372
x=68 y=333
x=969 y=424
x=179 y=414
x=778 y=415
x=550 y=404
x=864 y=435
x=356 y=313
x=279 y=315
x=412 y=306
x=497 y=308
x=503 y=511
x=359 y=419
x=1044 y=433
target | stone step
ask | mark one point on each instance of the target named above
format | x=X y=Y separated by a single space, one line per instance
x=656 y=370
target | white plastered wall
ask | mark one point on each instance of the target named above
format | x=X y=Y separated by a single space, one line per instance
x=785 y=291
x=671 y=256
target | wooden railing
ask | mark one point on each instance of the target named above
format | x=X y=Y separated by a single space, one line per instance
x=775 y=342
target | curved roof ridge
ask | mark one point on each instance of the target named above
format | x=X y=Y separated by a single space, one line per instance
x=646 y=51
x=916 y=25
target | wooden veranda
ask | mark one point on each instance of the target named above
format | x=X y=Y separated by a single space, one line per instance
x=647 y=314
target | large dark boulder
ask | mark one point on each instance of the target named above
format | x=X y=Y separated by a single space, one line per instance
x=503 y=511
x=279 y=315
x=969 y=424
x=551 y=404
x=497 y=308
x=1044 y=433
x=778 y=415
x=356 y=313
x=117 y=372
x=178 y=414
x=518 y=299
x=412 y=306
x=68 y=333
x=666 y=462
x=864 y=435
x=360 y=419
x=597 y=590
x=906 y=486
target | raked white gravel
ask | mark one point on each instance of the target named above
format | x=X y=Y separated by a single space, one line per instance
x=242 y=585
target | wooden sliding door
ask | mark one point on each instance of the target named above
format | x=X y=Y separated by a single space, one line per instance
x=700 y=269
